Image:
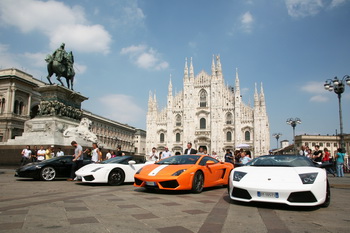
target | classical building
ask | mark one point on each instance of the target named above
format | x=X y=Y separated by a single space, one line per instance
x=19 y=102
x=331 y=142
x=140 y=142
x=208 y=113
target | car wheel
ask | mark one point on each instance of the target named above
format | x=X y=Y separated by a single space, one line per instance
x=47 y=173
x=198 y=182
x=328 y=196
x=116 y=177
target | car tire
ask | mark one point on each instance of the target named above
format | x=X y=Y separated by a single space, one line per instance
x=198 y=182
x=47 y=173
x=328 y=196
x=116 y=177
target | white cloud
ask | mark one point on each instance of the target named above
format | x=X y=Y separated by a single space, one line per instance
x=145 y=57
x=36 y=59
x=121 y=108
x=6 y=59
x=247 y=21
x=314 y=87
x=336 y=3
x=319 y=98
x=304 y=8
x=59 y=22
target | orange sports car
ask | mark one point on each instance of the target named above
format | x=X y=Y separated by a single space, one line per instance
x=184 y=172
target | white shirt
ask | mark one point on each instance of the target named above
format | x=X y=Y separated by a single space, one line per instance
x=94 y=156
x=108 y=155
x=41 y=155
x=26 y=153
x=166 y=154
x=59 y=153
x=153 y=156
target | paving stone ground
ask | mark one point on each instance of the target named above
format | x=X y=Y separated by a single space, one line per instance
x=59 y=206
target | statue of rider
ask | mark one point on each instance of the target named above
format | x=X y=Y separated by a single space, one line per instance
x=70 y=62
x=60 y=54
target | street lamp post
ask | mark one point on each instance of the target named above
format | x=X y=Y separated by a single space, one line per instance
x=293 y=123
x=338 y=86
x=277 y=136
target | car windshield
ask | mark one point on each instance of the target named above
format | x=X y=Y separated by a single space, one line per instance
x=118 y=159
x=281 y=161
x=180 y=159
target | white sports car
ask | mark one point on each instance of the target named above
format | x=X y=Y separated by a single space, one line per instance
x=114 y=171
x=289 y=179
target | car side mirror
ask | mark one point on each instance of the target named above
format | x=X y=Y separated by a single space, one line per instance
x=209 y=162
x=131 y=162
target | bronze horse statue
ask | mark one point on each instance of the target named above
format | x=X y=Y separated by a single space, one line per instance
x=61 y=64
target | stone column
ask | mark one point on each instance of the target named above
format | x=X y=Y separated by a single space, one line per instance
x=13 y=94
x=29 y=104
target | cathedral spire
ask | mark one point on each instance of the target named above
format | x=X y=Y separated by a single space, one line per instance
x=186 y=69
x=256 y=97
x=262 y=95
x=218 y=66
x=213 y=67
x=237 y=88
x=170 y=87
x=191 y=69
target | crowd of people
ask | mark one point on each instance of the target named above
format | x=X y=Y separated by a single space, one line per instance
x=319 y=156
x=239 y=156
x=38 y=155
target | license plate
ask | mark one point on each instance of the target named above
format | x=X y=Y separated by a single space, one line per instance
x=151 y=183
x=268 y=194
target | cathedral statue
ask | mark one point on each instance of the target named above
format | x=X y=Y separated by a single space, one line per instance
x=61 y=64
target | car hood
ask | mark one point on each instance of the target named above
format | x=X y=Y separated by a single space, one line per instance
x=163 y=169
x=276 y=174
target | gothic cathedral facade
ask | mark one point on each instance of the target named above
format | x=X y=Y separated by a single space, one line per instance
x=210 y=114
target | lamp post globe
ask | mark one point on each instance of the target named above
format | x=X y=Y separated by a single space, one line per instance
x=338 y=86
x=293 y=122
x=277 y=136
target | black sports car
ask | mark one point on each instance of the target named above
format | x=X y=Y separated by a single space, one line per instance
x=49 y=169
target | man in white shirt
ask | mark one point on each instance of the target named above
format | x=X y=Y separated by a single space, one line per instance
x=108 y=155
x=59 y=152
x=41 y=154
x=166 y=153
x=153 y=156
x=26 y=154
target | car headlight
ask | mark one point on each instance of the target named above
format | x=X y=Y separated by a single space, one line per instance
x=96 y=169
x=237 y=176
x=138 y=172
x=308 y=178
x=179 y=172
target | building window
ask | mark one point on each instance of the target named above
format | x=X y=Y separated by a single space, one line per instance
x=202 y=123
x=177 y=136
x=229 y=118
x=161 y=137
x=178 y=120
x=321 y=144
x=306 y=144
x=328 y=144
x=313 y=144
x=15 y=109
x=228 y=136
x=203 y=98
x=247 y=135
x=2 y=105
x=335 y=144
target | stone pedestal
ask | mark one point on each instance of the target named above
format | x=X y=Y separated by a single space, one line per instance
x=59 y=120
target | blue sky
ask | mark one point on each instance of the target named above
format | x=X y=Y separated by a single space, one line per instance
x=125 y=48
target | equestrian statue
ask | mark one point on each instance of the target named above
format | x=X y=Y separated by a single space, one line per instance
x=61 y=64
